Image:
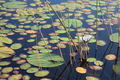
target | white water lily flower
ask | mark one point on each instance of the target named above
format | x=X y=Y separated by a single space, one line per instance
x=85 y=38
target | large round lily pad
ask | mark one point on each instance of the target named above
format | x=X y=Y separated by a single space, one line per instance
x=6 y=52
x=44 y=60
x=15 y=4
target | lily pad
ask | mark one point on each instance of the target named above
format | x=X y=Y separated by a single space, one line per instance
x=45 y=60
x=91 y=78
x=41 y=73
x=81 y=70
x=32 y=70
x=7 y=70
x=4 y=63
x=116 y=68
x=6 y=52
x=25 y=66
x=16 y=46
x=15 y=77
x=26 y=77
x=114 y=37
x=15 y=4
x=6 y=40
x=91 y=59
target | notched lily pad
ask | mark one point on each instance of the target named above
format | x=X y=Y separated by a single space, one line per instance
x=6 y=52
x=45 y=60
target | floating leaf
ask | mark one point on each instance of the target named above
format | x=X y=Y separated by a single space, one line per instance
x=95 y=67
x=32 y=70
x=23 y=55
x=45 y=61
x=7 y=70
x=101 y=43
x=42 y=73
x=26 y=77
x=98 y=63
x=6 y=40
x=16 y=46
x=6 y=52
x=15 y=77
x=4 y=63
x=81 y=70
x=4 y=76
x=110 y=57
x=31 y=31
x=16 y=58
x=21 y=61
x=116 y=68
x=30 y=40
x=25 y=66
x=114 y=37
x=45 y=79
x=15 y=4
x=91 y=78
x=91 y=59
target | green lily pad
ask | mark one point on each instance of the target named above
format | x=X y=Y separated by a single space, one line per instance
x=45 y=50
x=91 y=78
x=98 y=63
x=5 y=31
x=26 y=77
x=95 y=67
x=6 y=40
x=42 y=73
x=114 y=37
x=101 y=43
x=4 y=63
x=30 y=40
x=6 y=52
x=54 y=41
x=45 y=60
x=15 y=4
x=10 y=26
x=4 y=76
x=15 y=77
x=25 y=66
x=21 y=61
x=91 y=59
x=32 y=70
x=7 y=70
x=16 y=46
x=116 y=68
x=43 y=43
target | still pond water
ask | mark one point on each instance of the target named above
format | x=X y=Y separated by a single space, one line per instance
x=59 y=40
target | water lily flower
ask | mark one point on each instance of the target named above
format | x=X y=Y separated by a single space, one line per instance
x=85 y=38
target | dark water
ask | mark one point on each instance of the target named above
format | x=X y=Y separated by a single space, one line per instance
x=67 y=71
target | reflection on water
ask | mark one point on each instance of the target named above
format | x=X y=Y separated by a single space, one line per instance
x=57 y=40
